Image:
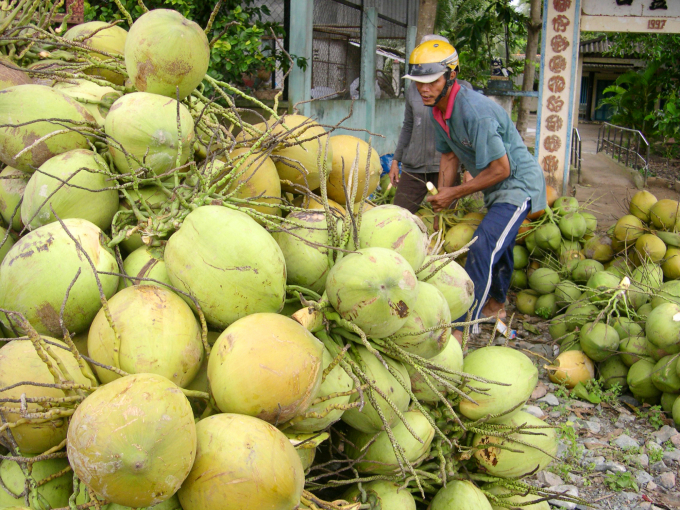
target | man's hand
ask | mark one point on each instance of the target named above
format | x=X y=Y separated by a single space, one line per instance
x=394 y=172
x=445 y=198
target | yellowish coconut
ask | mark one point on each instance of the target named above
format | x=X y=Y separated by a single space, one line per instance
x=571 y=368
x=348 y=152
x=641 y=203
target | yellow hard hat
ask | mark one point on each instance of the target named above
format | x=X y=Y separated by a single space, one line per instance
x=430 y=60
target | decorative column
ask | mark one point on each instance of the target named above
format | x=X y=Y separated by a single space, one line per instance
x=301 y=33
x=369 y=43
x=558 y=88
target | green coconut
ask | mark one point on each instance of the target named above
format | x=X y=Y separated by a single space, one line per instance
x=568 y=246
x=544 y=280
x=507 y=458
x=669 y=292
x=599 y=340
x=458 y=236
x=599 y=248
x=381 y=494
x=55 y=492
x=453 y=281
x=663 y=327
x=165 y=52
x=367 y=419
x=640 y=381
x=220 y=252
x=573 y=226
x=620 y=266
x=71 y=185
x=565 y=205
x=548 y=237
x=145 y=125
x=633 y=349
x=52 y=259
x=133 y=441
x=558 y=328
x=670 y=265
x=96 y=99
x=675 y=412
x=460 y=495
x=168 y=504
x=504 y=496
x=451 y=358
x=430 y=310
x=520 y=256
x=519 y=279
x=11 y=75
x=299 y=161
x=19 y=362
x=152 y=197
x=307 y=264
x=645 y=280
x=376 y=452
x=667 y=402
x=665 y=375
x=566 y=293
x=546 y=306
x=628 y=229
x=378 y=301
x=571 y=342
x=613 y=371
x=504 y=365
x=106 y=39
x=584 y=269
x=12 y=185
x=265 y=365
x=526 y=301
x=395 y=228
x=591 y=223
x=156 y=332
x=664 y=213
x=650 y=248
x=530 y=242
x=626 y=327
x=577 y=314
x=350 y=152
x=602 y=286
x=644 y=311
x=337 y=381
x=242 y=462
x=22 y=106
x=145 y=262
x=640 y=205
x=655 y=353
x=6 y=243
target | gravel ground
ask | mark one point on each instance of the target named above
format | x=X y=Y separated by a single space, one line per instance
x=614 y=455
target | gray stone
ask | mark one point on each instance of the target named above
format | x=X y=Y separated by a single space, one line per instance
x=643 y=477
x=550 y=399
x=582 y=405
x=540 y=391
x=535 y=411
x=570 y=490
x=603 y=465
x=574 y=419
x=555 y=414
x=641 y=460
x=592 y=426
x=630 y=496
x=548 y=479
x=667 y=480
x=629 y=400
x=561 y=450
x=597 y=462
x=575 y=479
x=676 y=440
x=664 y=434
x=670 y=457
x=658 y=467
x=646 y=505
x=651 y=486
x=626 y=442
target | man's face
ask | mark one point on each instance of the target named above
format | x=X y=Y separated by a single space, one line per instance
x=430 y=91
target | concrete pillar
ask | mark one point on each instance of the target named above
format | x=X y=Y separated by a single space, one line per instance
x=411 y=31
x=369 y=42
x=301 y=31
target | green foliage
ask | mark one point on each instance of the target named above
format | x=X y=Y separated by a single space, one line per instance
x=666 y=122
x=621 y=481
x=654 y=415
x=593 y=391
x=239 y=25
x=655 y=454
x=633 y=97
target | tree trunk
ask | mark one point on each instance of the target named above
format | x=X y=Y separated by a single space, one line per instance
x=533 y=31
x=427 y=12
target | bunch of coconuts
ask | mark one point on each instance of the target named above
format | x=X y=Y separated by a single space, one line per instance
x=194 y=306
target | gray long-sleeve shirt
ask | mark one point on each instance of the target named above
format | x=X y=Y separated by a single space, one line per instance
x=416 y=148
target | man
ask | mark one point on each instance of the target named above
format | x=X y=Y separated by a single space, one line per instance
x=416 y=149
x=472 y=129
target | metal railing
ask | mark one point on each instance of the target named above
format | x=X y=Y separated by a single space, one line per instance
x=627 y=146
x=576 y=158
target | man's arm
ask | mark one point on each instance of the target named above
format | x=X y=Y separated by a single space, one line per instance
x=448 y=168
x=497 y=171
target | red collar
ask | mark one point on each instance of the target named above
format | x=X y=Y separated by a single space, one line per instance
x=449 y=109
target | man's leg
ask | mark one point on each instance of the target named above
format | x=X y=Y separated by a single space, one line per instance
x=500 y=284
x=494 y=234
x=411 y=191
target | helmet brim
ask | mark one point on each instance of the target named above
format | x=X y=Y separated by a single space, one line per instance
x=426 y=78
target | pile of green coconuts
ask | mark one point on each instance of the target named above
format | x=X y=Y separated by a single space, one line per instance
x=612 y=298
x=203 y=313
